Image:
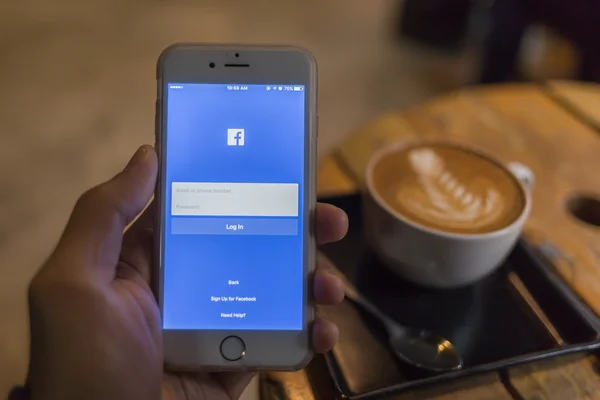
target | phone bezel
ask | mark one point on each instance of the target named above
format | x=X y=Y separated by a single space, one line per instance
x=285 y=65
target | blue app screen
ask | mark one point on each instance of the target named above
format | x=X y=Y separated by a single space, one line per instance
x=233 y=244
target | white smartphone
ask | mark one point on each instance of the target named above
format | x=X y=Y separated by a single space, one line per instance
x=236 y=138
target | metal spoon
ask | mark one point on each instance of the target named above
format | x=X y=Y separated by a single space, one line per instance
x=418 y=347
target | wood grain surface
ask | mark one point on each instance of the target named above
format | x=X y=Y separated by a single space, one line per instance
x=332 y=180
x=557 y=379
x=482 y=387
x=583 y=99
x=527 y=124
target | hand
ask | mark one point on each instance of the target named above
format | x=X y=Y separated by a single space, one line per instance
x=95 y=324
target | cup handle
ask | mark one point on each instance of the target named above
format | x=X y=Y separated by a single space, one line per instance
x=523 y=173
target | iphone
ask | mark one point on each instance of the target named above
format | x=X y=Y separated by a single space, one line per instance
x=236 y=139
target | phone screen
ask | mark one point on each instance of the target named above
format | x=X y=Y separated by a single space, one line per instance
x=234 y=189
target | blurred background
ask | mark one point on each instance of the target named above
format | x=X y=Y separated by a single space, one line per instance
x=78 y=91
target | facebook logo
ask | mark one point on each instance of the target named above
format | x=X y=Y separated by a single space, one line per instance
x=235 y=137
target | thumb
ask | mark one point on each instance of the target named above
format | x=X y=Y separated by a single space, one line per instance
x=93 y=236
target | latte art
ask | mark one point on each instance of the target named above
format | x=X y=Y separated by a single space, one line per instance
x=449 y=188
x=442 y=197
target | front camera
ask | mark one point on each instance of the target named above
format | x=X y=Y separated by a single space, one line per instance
x=212 y=65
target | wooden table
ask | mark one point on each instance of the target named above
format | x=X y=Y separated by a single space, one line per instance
x=554 y=129
x=580 y=98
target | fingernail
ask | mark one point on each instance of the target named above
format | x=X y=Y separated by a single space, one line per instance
x=139 y=157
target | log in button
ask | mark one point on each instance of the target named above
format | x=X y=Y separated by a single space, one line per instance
x=234 y=226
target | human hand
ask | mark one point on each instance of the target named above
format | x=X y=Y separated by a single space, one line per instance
x=95 y=324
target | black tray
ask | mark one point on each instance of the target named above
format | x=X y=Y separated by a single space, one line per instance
x=521 y=313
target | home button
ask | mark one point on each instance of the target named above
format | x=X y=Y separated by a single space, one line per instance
x=233 y=348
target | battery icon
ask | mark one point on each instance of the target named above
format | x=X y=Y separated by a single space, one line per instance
x=298 y=88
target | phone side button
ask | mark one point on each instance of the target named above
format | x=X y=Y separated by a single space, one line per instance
x=233 y=348
x=157 y=111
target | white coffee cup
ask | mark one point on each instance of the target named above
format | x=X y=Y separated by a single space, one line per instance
x=432 y=257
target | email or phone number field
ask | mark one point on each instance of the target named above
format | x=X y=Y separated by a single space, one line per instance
x=199 y=208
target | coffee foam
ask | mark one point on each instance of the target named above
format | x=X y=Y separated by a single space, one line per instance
x=450 y=189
